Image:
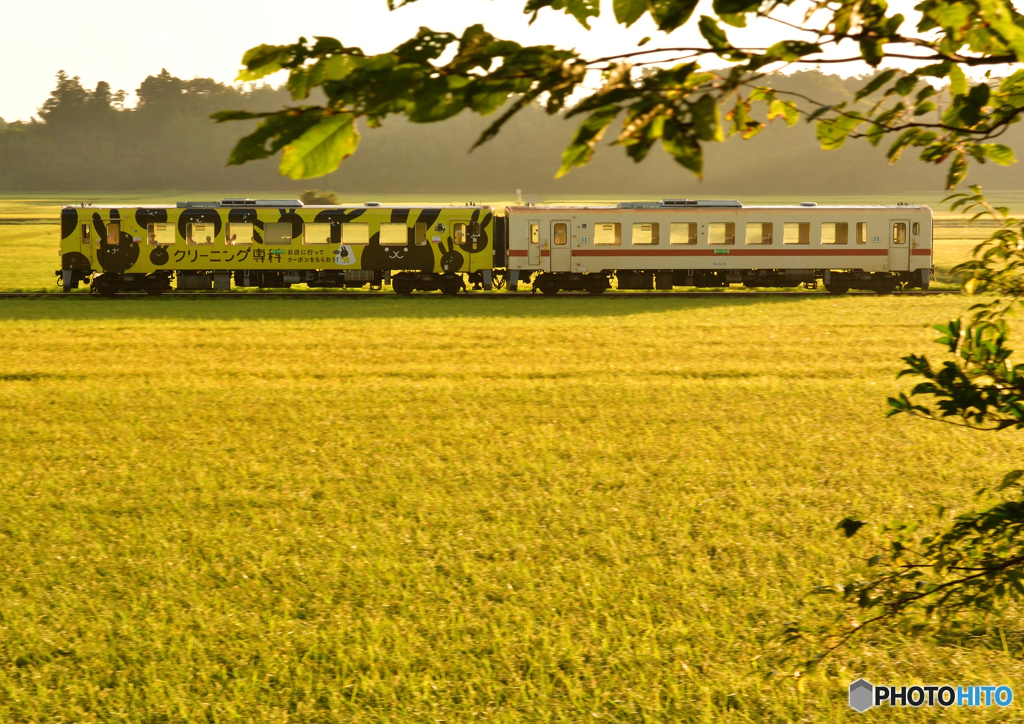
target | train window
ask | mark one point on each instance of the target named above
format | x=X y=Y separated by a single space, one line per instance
x=239 y=234
x=316 y=233
x=759 y=232
x=86 y=233
x=199 y=234
x=645 y=232
x=834 y=232
x=862 y=232
x=684 y=232
x=899 y=233
x=114 y=232
x=915 y=229
x=160 y=234
x=459 y=233
x=722 y=232
x=358 y=234
x=561 y=235
x=278 y=233
x=421 y=234
x=796 y=232
x=394 y=234
x=534 y=233
x=609 y=234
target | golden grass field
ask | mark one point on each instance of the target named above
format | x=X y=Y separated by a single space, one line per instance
x=376 y=509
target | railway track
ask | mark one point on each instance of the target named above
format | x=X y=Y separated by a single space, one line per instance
x=470 y=295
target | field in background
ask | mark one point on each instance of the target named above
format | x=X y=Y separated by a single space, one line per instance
x=29 y=227
x=433 y=509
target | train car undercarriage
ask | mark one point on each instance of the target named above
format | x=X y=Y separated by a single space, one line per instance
x=548 y=283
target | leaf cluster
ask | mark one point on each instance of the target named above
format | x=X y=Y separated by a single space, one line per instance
x=979 y=387
x=976 y=564
x=920 y=581
x=483 y=74
x=933 y=107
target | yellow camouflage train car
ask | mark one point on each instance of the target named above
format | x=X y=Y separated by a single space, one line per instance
x=277 y=243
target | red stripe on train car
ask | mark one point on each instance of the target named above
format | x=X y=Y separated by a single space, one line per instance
x=732 y=252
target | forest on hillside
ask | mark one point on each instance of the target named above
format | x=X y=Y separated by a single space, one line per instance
x=86 y=140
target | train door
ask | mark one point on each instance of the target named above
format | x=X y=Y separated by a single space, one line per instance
x=533 y=253
x=899 y=247
x=86 y=242
x=561 y=249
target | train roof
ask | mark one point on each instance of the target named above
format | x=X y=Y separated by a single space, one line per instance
x=691 y=204
x=275 y=204
x=663 y=204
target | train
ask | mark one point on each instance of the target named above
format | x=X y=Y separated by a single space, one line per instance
x=455 y=248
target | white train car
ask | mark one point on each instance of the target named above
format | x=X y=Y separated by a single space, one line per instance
x=677 y=242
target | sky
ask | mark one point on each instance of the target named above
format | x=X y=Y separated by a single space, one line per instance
x=122 y=42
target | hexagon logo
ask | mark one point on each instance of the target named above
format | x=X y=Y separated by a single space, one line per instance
x=862 y=695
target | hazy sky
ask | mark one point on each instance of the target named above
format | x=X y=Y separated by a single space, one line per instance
x=122 y=42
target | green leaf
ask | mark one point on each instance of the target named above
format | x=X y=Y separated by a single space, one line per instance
x=320 y=149
x=1003 y=155
x=1003 y=19
x=832 y=132
x=957 y=81
x=737 y=20
x=582 y=10
x=581 y=149
x=948 y=15
x=712 y=33
x=707 y=119
x=905 y=85
x=792 y=50
x=263 y=60
x=731 y=7
x=902 y=141
x=628 y=12
x=672 y=14
x=849 y=526
x=872 y=51
x=875 y=83
x=957 y=171
x=783 y=109
x=682 y=147
x=819 y=111
x=278 y=129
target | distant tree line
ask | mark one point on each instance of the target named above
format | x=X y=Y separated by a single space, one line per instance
x=88 y=141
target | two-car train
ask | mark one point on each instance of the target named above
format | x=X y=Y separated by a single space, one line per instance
x=635 y=245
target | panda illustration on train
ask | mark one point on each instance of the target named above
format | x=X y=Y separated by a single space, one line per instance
x=657 y=245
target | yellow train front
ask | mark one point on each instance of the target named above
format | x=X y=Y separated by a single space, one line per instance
x=200 y=245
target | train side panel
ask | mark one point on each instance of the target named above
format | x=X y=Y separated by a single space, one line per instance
x=652 y=247
x=355 y=244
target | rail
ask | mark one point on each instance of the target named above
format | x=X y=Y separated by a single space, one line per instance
x=468 y=295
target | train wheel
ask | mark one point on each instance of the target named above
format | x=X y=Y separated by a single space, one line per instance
x=103 y=287
x=837 y=288
x=596 y=284
x=886 y=286
x=450 y=285
x=545 y=284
